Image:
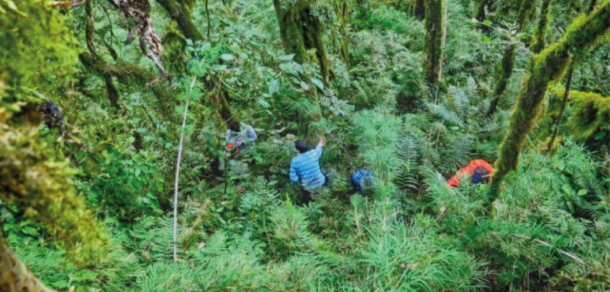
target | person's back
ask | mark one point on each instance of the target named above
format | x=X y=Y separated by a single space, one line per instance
x=305 y=167
x=239 y=135
x=360 y=178
x=479 y=170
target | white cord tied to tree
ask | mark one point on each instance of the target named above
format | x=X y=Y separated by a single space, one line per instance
x=186 y=109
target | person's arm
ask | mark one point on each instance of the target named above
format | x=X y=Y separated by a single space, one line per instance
x=228 y=136
x=294 y=177
x=319 y=148
x=250 y=134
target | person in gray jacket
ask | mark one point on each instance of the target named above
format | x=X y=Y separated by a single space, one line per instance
x=239 y=136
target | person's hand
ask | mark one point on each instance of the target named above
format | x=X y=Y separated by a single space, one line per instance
x=321 y=143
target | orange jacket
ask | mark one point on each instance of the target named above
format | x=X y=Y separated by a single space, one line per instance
x=469 y=170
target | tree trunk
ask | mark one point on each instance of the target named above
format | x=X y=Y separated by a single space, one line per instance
x=300 y=31
x=539 y=41
x=182 y=16
x=582 y=36
x=504 y=70
x=481 y=13
x=420 y=9
x=562 y=108
x=592 y=5
x=14 y=275
x=433 y=52
x=342 y=11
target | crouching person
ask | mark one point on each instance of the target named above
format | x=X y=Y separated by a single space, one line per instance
x=479 y=170
x=360 y=179
x=305 y=169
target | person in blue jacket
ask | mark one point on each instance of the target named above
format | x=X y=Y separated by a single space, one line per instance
x=305 y=169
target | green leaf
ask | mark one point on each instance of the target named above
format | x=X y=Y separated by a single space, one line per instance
x=487 y=22
x=9 y=226
x=286 y=58
x=142 y=130
x=318 y=83
x=274 y=86
x=61 y=284
x=582 y=192
x=219 y=67
x=486 y=39
x=600 y=135
x=287 y=67
x=227 y=57
x=263 y=103
x=29 y=231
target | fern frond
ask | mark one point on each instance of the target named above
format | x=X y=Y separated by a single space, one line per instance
x=406 y=177
x=457 y=154
x=446 y=114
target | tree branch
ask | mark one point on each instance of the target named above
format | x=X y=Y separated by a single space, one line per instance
x=183 y=18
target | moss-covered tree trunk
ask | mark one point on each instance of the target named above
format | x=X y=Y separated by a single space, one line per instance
x=539 y=41
x=562 y=108
x=343 y=13
x=301 y=31
x=179 y=10
x=550 y=65
x=483 y=5
x=14 y=275
x=420 y=9
x=433 y=51
x=504 y=70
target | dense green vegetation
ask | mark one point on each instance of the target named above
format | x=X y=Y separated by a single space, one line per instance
x=411 y=90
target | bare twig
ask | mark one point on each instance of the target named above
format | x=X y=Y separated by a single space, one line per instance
x=67 y=3
x=186 y=109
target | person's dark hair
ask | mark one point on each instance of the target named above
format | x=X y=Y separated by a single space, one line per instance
x=301 y=145
x=233 y=126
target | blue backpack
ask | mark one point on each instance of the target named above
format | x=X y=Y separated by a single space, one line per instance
x=361 y=177
x=480 y=176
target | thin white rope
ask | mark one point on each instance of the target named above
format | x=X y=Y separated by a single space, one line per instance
x=186 y=109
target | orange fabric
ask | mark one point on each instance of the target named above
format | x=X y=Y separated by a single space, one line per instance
x=469 y=170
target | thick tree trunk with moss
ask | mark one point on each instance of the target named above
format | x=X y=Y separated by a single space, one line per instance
x=433 y=52
x=14 y=275
x=550 y=65
x=504 y=70
x=301 y=31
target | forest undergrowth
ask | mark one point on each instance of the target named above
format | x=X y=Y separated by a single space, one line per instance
x=86 y=201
